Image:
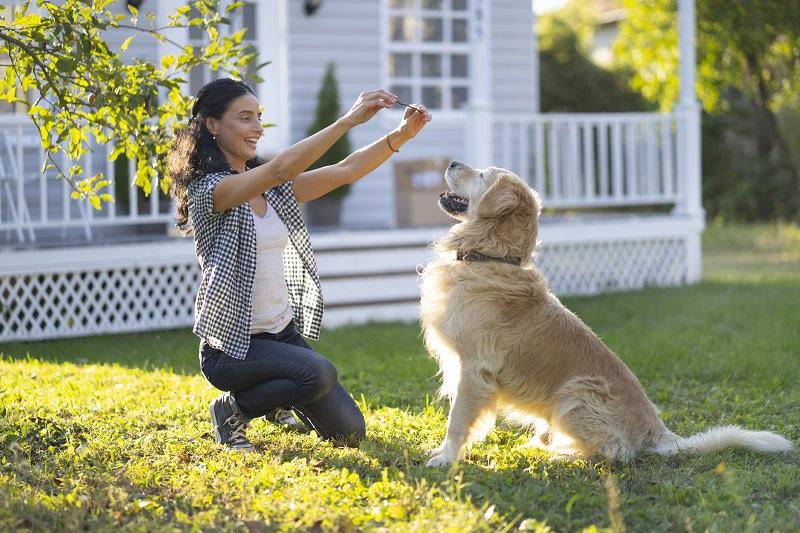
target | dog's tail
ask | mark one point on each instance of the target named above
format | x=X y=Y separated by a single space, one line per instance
x=719 y=438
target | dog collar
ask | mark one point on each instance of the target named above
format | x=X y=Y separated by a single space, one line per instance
x=472 y=255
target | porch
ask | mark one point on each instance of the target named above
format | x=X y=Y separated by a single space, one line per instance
x=619 y=215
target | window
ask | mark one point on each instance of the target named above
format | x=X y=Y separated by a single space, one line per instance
x=428 y=52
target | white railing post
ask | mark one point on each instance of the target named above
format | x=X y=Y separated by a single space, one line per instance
x=688 y=114
x=273 y=43
x=479 y=136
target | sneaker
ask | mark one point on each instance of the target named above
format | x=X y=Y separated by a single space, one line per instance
x=229 y=423
x=282 y=415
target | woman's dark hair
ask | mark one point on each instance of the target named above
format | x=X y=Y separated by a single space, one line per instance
x=194 y=151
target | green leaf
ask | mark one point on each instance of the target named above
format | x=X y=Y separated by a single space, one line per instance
x=233 y=6
x=127 y=42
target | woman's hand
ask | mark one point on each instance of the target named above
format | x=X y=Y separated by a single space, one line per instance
x=367 y=105
x=414 y=119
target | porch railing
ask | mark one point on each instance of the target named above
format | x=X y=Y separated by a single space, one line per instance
x=31 y=200
x=585 y=160
x=592 y=160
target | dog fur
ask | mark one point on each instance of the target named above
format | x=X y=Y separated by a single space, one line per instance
x=505 y=343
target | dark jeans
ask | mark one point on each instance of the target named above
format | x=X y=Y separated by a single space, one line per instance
x=282 y=370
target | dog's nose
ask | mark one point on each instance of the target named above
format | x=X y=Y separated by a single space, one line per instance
x=454 y=164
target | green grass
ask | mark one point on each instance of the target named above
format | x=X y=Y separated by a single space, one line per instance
x=111 y=432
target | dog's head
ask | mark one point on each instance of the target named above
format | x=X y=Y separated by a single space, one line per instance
x=498 y=210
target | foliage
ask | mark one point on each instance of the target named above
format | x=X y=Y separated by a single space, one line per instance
x=749 y=67
x=741 y=44
x=78 y=90
x=739 y=183
x=569 y=80
x=326 y=113
x=117 y=436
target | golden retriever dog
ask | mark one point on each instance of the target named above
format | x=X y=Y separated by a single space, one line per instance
x=505 y=343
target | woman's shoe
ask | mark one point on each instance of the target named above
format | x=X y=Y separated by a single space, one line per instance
x=229 y=423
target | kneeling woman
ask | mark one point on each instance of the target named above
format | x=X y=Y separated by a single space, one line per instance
x=260 y=293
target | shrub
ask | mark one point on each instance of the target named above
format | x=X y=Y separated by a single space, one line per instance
x=326 y=114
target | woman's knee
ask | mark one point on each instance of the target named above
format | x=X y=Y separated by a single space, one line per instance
x=325 y=377
x=351 y=432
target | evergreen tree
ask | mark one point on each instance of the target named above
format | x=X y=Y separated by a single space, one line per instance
x=326 y=114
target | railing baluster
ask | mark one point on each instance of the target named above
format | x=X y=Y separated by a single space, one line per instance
x=653 y=177
x=588 y=160
x=574 y=162
x=133 y=196
x=630 y=161
x=65 y=192
x=667 y=156
x=555 y=153
x=112 y=178
x=21 y=211
x=602 y=146
x=539 y=139
x=524 y=146
x=44 y=204
x=616 y=158
x=88 y=171
x=154 y=194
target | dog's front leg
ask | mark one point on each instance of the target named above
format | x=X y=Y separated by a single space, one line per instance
x=475 y=397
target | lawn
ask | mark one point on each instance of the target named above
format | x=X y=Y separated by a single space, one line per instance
x=111 y=432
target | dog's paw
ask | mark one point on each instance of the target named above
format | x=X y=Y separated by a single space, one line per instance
x=436 y=451
x=438 y=461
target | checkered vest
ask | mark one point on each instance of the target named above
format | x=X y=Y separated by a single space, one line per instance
x=225 y=244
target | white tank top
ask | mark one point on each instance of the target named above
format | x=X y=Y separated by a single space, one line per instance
x=271 y=309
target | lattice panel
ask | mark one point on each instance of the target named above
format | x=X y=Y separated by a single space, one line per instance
x=594 y=268
x=86 y=301
x=64 y=304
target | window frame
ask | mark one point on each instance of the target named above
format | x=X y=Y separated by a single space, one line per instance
x=417 y=48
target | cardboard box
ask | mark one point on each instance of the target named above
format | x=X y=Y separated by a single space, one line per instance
x=417 y=187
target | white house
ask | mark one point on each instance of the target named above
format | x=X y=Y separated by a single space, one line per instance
x=621 y=191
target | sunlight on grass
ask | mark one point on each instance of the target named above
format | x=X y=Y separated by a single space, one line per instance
x=111 y=432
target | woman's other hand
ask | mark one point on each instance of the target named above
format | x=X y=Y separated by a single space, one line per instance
x=367 y=105
x=414 y=119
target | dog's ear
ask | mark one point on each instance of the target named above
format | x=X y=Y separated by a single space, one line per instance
x=502 y=198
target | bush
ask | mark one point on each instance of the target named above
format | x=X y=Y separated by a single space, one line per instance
x=571 y=82
x=326 y=114
x=739 y=181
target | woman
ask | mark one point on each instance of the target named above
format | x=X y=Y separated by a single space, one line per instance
x=259 y=292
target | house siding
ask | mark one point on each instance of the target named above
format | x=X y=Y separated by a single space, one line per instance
x=348 y=33
x=514 y=59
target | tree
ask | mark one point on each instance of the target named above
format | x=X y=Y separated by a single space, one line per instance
x=570 y=80
x=327 y=113
x=82 y=90
x=749 y=48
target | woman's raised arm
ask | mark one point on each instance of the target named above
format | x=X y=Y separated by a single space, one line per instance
x=319 y=182
x=236 y=189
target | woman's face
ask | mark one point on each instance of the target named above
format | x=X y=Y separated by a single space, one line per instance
x=238 y=130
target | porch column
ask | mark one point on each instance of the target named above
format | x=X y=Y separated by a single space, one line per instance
x=479 y=124
x=273 y=93
x=688 y=114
